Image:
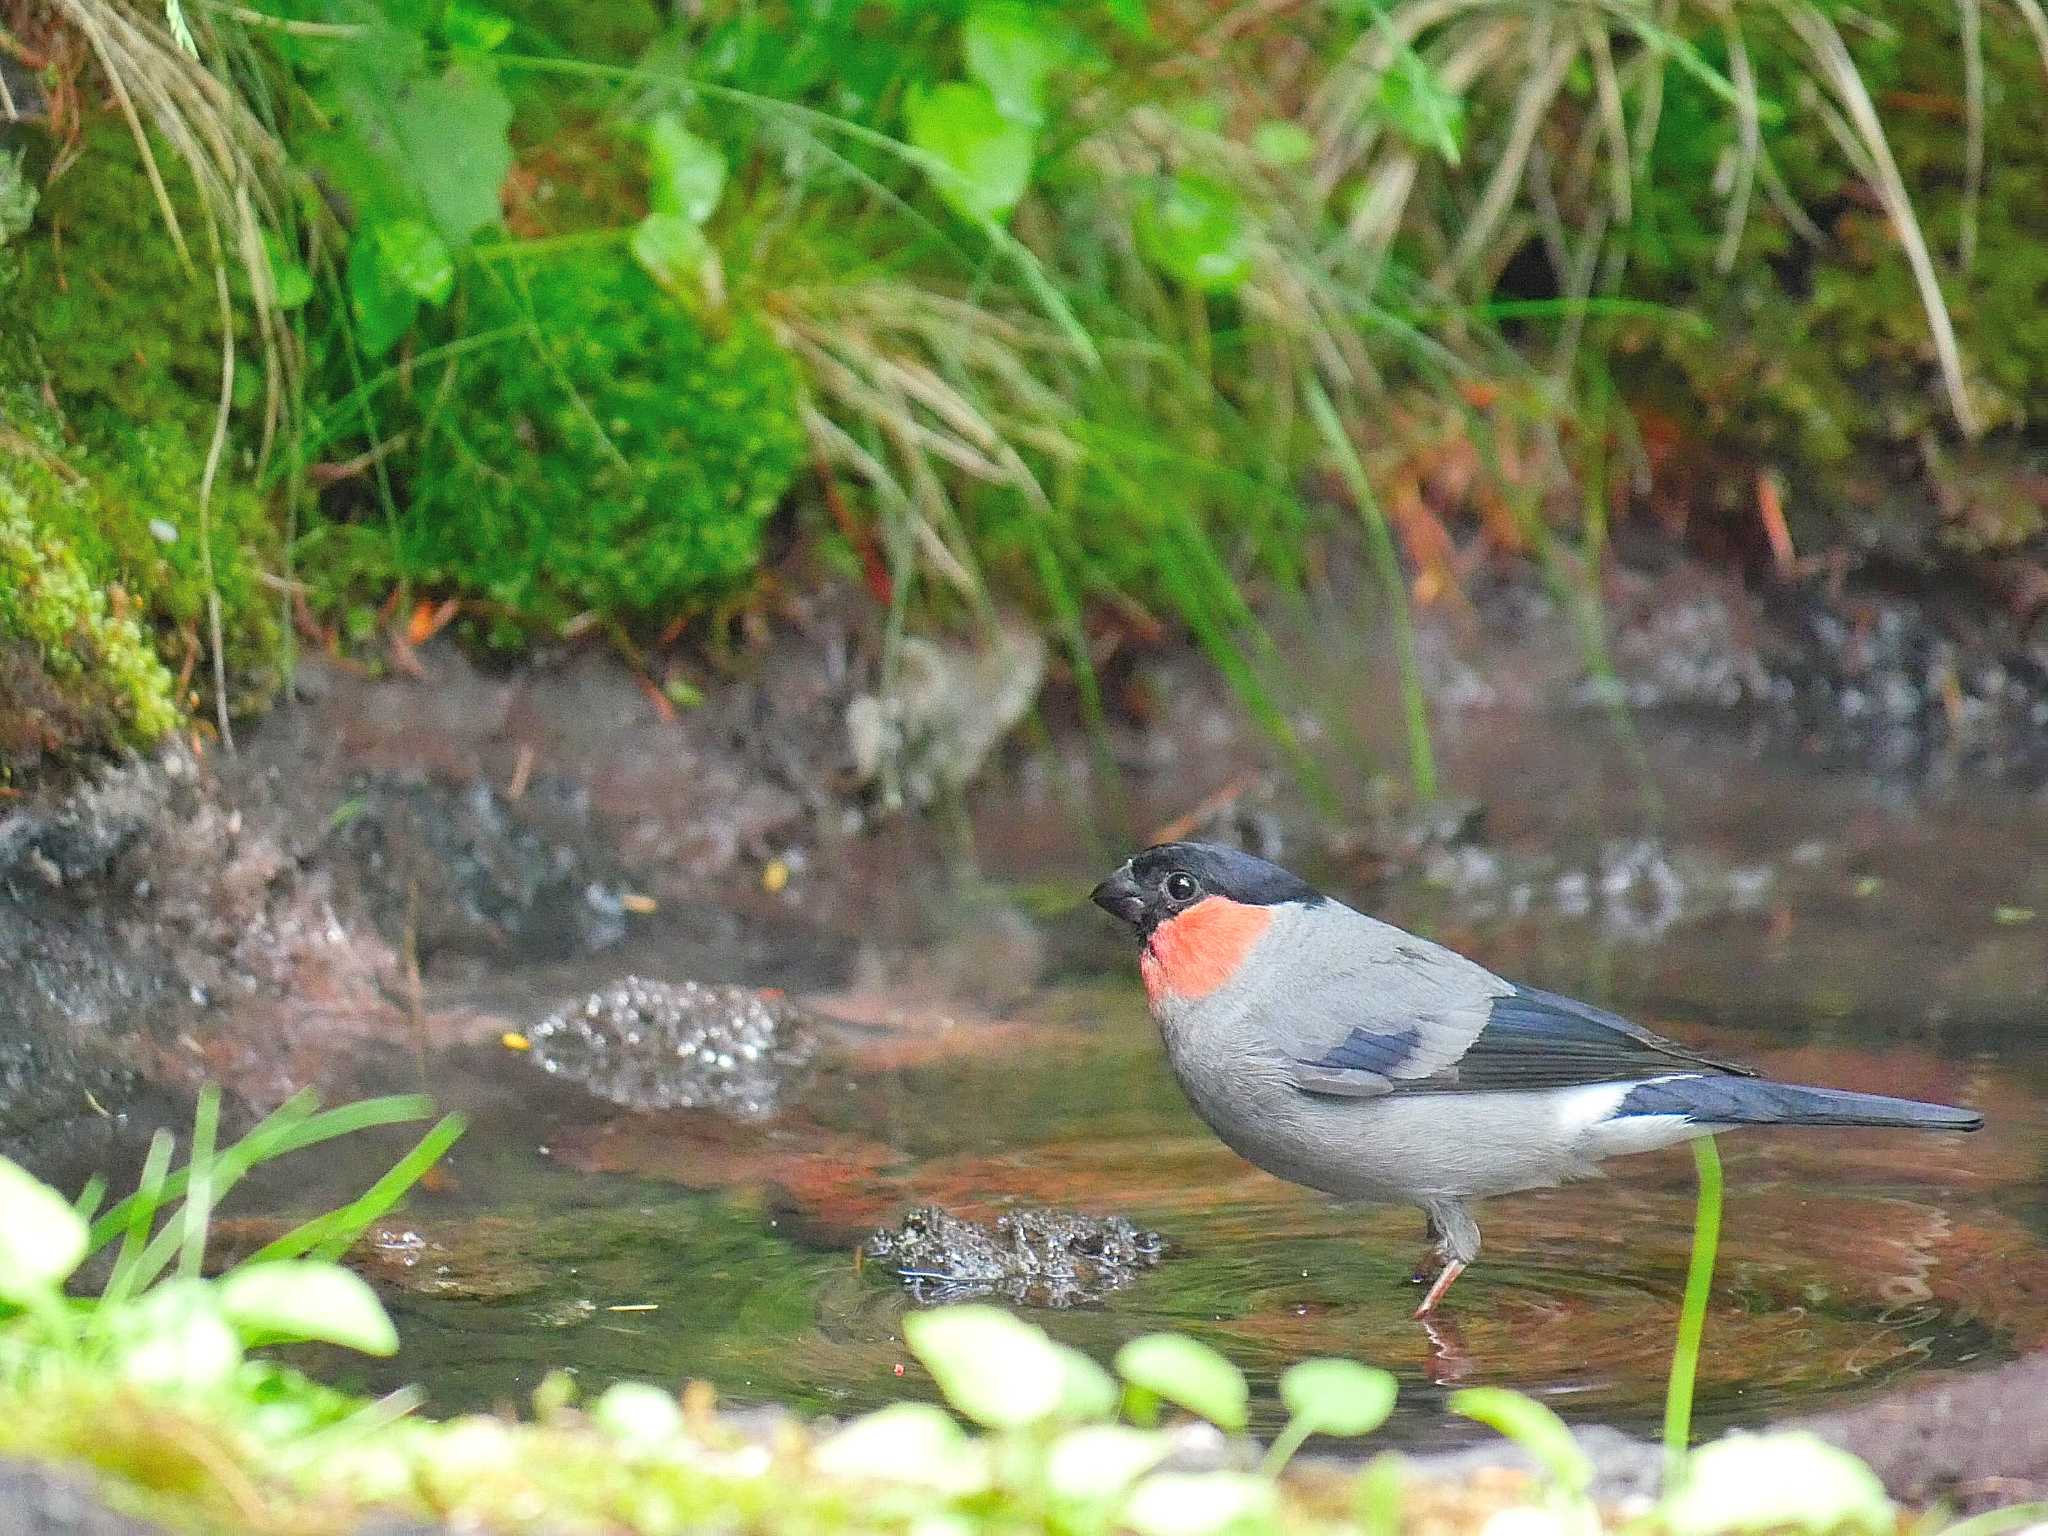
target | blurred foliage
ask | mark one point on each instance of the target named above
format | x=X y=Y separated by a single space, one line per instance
x=1045 y=295
x=76 y=673
x=123 y=325
x=109 y=381
x=610 y=454
x=1819 y=361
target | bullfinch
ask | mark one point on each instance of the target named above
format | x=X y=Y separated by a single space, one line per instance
x=1340 y=1052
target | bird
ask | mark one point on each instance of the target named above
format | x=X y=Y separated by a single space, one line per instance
x=1340 y=1052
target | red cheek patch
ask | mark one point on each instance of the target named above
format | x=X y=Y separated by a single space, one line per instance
x=1191 y=955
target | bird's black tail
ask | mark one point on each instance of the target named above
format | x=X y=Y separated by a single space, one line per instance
x=1751 y=1101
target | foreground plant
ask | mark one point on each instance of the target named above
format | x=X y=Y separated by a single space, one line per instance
x=152 y=1386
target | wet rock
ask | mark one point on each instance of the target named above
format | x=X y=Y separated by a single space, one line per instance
x=462 y=867
x=664 y=1045
x=1976 y=1443
x=137 y=909
x=1039 y=1257
x=928 y=731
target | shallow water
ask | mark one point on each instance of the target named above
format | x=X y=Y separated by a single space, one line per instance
x=1821 y=926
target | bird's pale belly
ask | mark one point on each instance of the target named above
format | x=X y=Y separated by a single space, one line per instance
x=1404 y=1147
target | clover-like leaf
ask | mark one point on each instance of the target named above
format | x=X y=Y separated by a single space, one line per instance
x=416 y=258
x=995 y=1368
x=672 y=249
x=687 y=174
x=1189 y=1373
x=1198 y=1503
x=913 y=1443
x=638 y=1415
x=1195 y=228
x=1786 y=1481
x=1100 y=1460
x=294 y=1300
x=981 y=159
x=42 y=1239
x=1533 y=1427
x=1338 y=1397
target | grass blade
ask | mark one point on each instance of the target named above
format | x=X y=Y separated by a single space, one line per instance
x=199 y=1191
x=137 y=1215
x=290 y=1127
x=1692 y=1316
x=329 y=1235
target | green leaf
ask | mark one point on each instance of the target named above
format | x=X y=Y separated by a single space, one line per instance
x=294 y=1300
x=382 y=309
x=1189 y=1373
x=1423 y=110
x=42 y=1239
x=451 y=131
x=416 y=259
x=175 y=1338
x=288 y=275
x=672 y=249
x=1531 y=1426
x=912 y=1443
x=1086 y=1390
x=465 y=24
x=1101 y=1460
x=981 y=159
x=687 y=174
x=1198 y=1503
x=1195 y=229
x=636 y=1414
x=1778 y=1482
x=995 y=1368
x=1282 y=143
x=1338 y=1397
x=1013 y=50
x=1379 y=1494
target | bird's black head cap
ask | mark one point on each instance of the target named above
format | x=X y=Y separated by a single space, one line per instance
x=1171 y=877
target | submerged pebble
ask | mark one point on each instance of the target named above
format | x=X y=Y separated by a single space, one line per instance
x=677 y=1045
x=1042 y=1257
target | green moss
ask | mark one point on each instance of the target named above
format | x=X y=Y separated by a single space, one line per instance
x=141 y=530
x=97 y=313
x=122 y=324
x=1820 y=360
x=617 y=458
x=76 y=673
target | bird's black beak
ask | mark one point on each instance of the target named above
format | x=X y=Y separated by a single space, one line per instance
x=1121 y=897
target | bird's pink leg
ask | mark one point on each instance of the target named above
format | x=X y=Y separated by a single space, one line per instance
x=1450 y=1272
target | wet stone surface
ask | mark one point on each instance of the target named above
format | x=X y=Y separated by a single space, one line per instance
x=678 y=1045
x=464 y=868
x=1037 y=1257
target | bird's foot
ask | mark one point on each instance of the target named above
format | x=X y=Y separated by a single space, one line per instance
x=1450 y=1272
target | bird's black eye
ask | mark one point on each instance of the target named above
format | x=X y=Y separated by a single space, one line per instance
x=1180 y=886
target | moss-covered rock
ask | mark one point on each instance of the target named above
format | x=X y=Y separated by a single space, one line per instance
x=614 y=454
x=122 y=323
x=1820 y=361
x=76 y=670
x=141 y=530
x=109 y=367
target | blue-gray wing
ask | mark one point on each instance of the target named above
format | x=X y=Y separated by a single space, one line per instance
x=1378 y=1011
